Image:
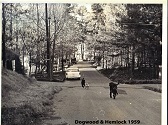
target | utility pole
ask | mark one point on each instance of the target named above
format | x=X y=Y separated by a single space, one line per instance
x=3 y=35
x=48 y=45
x=50 y=70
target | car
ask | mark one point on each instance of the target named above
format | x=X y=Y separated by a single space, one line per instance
x=73 y=73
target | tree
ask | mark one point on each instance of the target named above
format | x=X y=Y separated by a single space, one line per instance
x=106 y=31
x=144 y=25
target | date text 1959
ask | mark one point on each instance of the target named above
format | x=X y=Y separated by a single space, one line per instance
x=134 y=121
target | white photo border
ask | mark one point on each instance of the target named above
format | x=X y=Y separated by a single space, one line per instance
x=164 y=37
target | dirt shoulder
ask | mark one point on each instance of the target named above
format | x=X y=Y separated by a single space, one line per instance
x=24 y=100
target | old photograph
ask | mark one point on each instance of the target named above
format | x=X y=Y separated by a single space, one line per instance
x=82 y=63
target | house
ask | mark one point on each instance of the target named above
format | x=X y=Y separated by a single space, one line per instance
x=13 y=61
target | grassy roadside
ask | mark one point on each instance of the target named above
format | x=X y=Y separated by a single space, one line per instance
x=123 y=76
x=24 y=101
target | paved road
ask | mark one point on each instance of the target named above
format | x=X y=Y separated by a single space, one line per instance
x=74 y=103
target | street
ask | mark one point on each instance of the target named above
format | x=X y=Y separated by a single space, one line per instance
x=76 y=105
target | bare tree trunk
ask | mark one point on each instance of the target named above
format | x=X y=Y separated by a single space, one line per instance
x=38 y=42
x=121 y=55
x=94 y=55
x=23 y=57
x=30 y=64
x=17 y=49
x=53 y=53
x=133 y=60
x=106 y=63
x=82 y=50
x=156 y=64
x=128 y=60
x=11 y=25
x=73 y=51
x=3 y=35
x=103 y=53
x=62 y=57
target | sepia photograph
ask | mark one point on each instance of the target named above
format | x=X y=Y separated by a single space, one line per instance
x=83 y=63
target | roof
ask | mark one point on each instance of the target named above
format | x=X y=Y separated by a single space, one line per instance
x=10 y=54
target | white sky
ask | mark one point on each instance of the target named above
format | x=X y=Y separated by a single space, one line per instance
x=87 y=5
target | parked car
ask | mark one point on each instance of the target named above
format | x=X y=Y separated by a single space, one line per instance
x=73 y=73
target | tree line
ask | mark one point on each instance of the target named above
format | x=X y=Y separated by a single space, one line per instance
x=125 y=35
